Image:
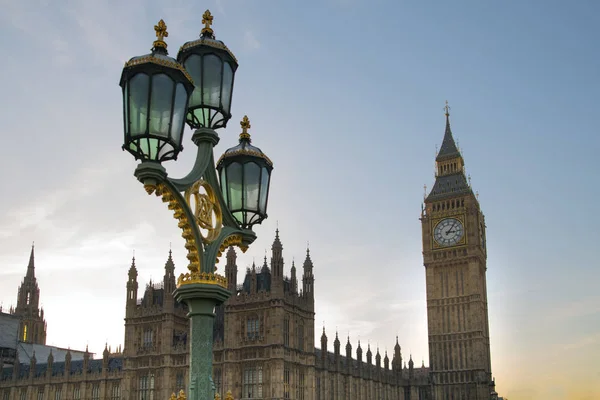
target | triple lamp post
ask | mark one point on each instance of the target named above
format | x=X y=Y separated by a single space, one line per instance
x=160 y=95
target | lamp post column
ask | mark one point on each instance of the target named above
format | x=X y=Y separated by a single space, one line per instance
x=201 y=299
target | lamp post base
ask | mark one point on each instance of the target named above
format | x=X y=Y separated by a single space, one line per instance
x=201 y=299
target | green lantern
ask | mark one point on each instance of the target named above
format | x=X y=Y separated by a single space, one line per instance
x=156 y=90
x=245 y=173
x=212 y=66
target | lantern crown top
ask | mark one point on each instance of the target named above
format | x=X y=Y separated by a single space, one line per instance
x=159 y=55
x=207 y=20
x=207 y=38
x=245 y=124
x=244 y=148
x=161 y=33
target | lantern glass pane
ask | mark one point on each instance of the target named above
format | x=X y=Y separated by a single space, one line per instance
x=126 y=107
x=252 y=186
x=160 y=104
x=167 y=149
x=193 y=65
x=149 y=147
x=224 y=185
x=264 y=190
x=211 y=82
x=138 y=104
x=234 y=186
x=179 y=111
x=227 y=87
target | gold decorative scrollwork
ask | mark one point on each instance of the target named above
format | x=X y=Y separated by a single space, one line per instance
x=232 y=240
x=202 y=277
x=184 y=223
x=206 y=205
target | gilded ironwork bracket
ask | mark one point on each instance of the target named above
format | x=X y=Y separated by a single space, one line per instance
x=223 y=230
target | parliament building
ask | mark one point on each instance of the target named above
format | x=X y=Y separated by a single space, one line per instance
x=264 y=333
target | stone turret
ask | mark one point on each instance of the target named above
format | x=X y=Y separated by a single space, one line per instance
x=68 y=362
x=169 y=278
x=231 y=270
x=324 y=346
x=386 y=362
x=49 y=364
x=293 y=279
x=132 y=289
x=32 y=365
x=277 y=266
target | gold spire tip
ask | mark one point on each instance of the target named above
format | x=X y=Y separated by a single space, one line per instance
x=245 y=124
x=161 y=33
x=207 y=20
x=447 y=109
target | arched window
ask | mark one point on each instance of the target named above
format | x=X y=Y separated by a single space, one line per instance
x=300 y=336
x=25 y=332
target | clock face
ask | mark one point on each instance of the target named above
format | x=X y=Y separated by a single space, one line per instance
x=448 y=232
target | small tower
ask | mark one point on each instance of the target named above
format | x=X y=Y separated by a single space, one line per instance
x=411 y=367
x=378 y=360
x=369 y=355
x=293 y=279
x=324 y=346
x=386 y=362
x=68 y=363
x=49 y=364
x=336 y=349
x=308 y=279
x=277 y=266
x=397 y=360
x=32 y=325
x=132 y=289
x=105 y=355
x=231 y=270
x=32 y=366
x=359 y=354
x=348 y=356
x=169 y=277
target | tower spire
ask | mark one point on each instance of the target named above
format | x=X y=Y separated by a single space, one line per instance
x=448 y=148
x=31 y=265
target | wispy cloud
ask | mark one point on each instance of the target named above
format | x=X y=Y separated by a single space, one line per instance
x=251 y=43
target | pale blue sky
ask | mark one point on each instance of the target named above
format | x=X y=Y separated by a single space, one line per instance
x=346 y=97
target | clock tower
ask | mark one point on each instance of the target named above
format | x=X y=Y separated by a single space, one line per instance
x=454 y=256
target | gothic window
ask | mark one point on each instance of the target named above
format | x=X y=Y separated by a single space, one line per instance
x=301 y=385
x=76 y=392
x=28 y=298
x=40 y=395
x=286 y=383
x=57 y=393
x=286 y=331
x=300 y=337
x=146 y=388
x=252 y=327
x=5 y=395
x=96 y=392
x=25 y=332
x=116 y=391
x=148 y=336
x=217 y=380
x=179 y=382
x=23 y=394
x=252 y=382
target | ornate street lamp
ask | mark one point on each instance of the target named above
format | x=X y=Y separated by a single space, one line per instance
x=245 y=173
x=212 y=66
x=156 y=89
x=158 y=94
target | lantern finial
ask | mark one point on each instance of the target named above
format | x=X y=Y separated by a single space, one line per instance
x=161 y=33
x=207 y=20
x=245 y=124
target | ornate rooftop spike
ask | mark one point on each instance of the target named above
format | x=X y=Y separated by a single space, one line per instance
x=245 y=124
x=207 y=20
x=161 y=33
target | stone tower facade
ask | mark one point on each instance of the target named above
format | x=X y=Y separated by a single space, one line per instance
x=454 y=256
x=32 y=328
x=155 y=353
x=267 y=350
